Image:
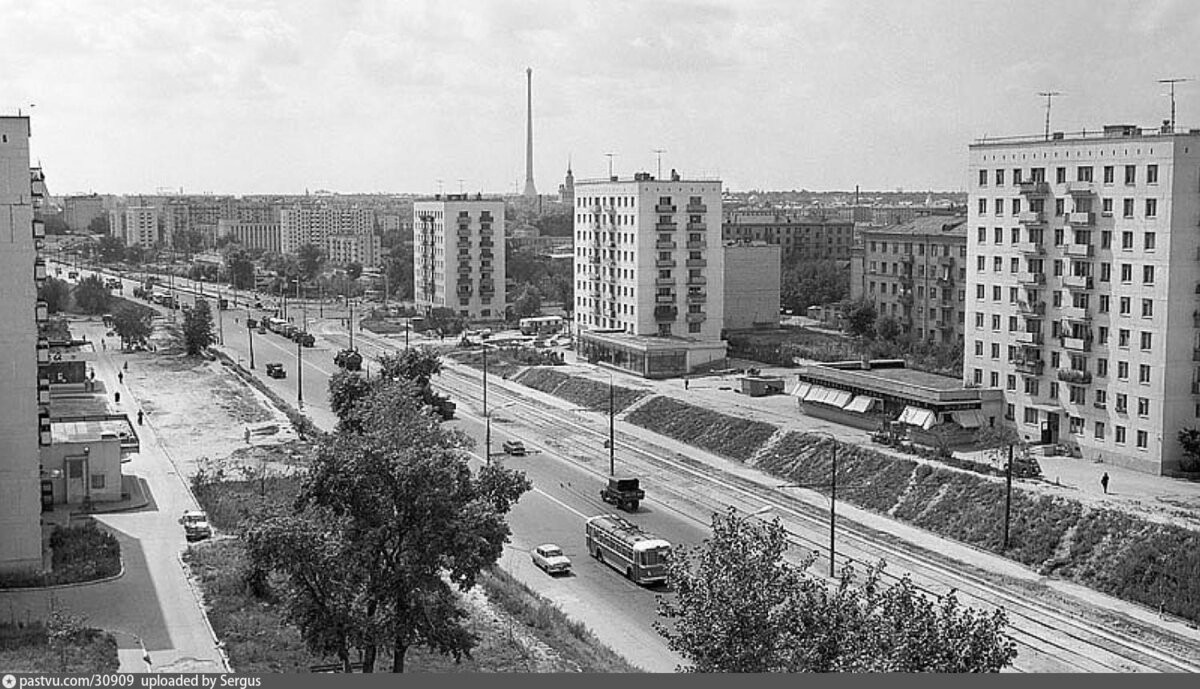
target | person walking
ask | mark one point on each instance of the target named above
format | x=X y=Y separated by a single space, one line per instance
x=1104 y=482
x=126 y=365
x=686 y=382
x=141 y=415
x=120 y=378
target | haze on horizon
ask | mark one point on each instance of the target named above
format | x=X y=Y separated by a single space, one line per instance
x=234 y=97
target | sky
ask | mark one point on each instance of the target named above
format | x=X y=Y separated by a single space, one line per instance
x=234 y=97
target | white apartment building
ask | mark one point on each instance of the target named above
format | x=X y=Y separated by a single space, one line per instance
x=649 y=264
x=1083 y=288
x=340 y=232
x=344 y=249
x=253 y=235
x=458 y=255
x=21 y=270
x=137 y=225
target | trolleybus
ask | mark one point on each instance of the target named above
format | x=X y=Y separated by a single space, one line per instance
x=541 y=325
x=622 y=545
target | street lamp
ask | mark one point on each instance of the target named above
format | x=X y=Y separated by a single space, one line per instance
x=832 y=499
x=300 y=350
x=612 y=435
x=250 y=333
x=487 y=424
x=486 y=416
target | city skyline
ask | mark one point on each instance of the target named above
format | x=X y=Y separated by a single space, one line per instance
x=234 y=98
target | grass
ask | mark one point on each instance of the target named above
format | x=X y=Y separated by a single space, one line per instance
x=79 y=554
x=728 y=436
x=25 y=648
x=584 y=392
x=303 y=425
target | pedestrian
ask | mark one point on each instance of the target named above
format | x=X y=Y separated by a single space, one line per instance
x=117 y=397
x=126 y=365
x=1104 y=482
x=120 y=378
x=686 y=383
x=92 y=374
x=141 y=415
x=104 y=345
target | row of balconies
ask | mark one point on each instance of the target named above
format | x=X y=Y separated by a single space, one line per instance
x=667 y=282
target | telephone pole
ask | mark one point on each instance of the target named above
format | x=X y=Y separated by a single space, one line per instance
x=1172 y=83
x=1049 y=96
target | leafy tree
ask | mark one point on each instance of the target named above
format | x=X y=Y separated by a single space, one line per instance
x=132 y=326
x=860 y=319
x=887 y=328
x=447 y=321
x=398 y=267
x=99 y=225
x=807 y=283
x=137 y=254
x=91 y=296
x=354 y=270
x=55 y=223
x=56 y=293
x=240 y=267
x=187 y=241
x=398 y=508
x=739 y=607
x=418 y=364
x=311 y=258
x=65 y=630
x=1189 y=439
x=528 y=303
x=198 y=328
x=347 y=388
x=111 y=249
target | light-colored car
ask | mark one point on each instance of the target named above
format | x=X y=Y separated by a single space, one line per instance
x=195 y=525
x=550 y=558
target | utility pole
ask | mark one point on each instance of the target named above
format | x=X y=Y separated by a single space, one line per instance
x=1049 y=95
x=487 y=418
x=250 y=334
x=833 y=512
x=350 y=321
x=659 y=152
x=612 y=436
x=1007 y=497
x=300 y=372
x=1172 y=83
x=220 y=321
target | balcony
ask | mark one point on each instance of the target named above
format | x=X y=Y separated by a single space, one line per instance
x=1196 y=388
x=44 y=437
x=697 y=245
x=486 y=254
x=665 y=313
x=1071 y=375
x=39 y=270
x=464 y=233
x=907 y=258
x=43 y=351
x=697 y=280
x=486 y=243
x=666 y=246
x=696 y=318
x=1077 y=344
x=696 y=263
x=1078 y=282
x=1196 y=319
x=697 y=208
x=665 y=263
x=39 y=229
x=42 y=312
x=1028 y=278
x=1034 y=188
x=697 y=227
x=1081 y=250
x=666 y=226
x=664 y=299
x=1029 y=367
x=664 y=208
x=906 y=298
x=43 y=391
x=945 y=279
x=1196 y=354
x=697 y=297
x=664 y=282
x=1081 y=188
x=1031 y=248
x=1030 y=338
x=1031 y=218
x=1081 y=219
x=1076 y=313
x=1035 y=308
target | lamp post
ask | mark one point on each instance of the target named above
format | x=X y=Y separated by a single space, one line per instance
x=487 y=417
x=350 y=322
x=612 y=435
x=832 y=500
x=220 y=321
x=250 y=334
x=1007 y=496
x=300 y=351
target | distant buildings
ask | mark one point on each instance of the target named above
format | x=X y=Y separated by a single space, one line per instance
x=339 y=232
x=649 y=273
x=136 y=225
x=916 y=273
x=267 y=236
x=801 y=237
x=459 y=255
x=1083 y=287
x=566 y=190
x=80 y=211
x=752 y=285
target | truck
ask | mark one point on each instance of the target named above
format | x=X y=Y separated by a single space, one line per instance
x=441 y=404
x=348 y=359
x=625 y=493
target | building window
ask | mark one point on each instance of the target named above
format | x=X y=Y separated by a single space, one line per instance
x=1120 y=435
x=1143 y=406
x=1148 y=275
x=983 y=206
x=98 y=482
x=1150 y=241
x=1122 y=405
x=1106 y=239
x=1108 y=174
x=1147 y=312
x=995 y=350
x=1083 y=174
x=1101 y=398
x=978 y=376
x=1127 y=208
x=1124 y=306
x=1126 y=272
x=1151 y=208
x=1122 y=370
x=1060 y=175
x=1127 y=240
x=693 y=327
x=1010 y=411
x=983 y=178
x=1151 y=174
x=994 y=379
x=1106 y=207
x=1101 y=369
x=1144 y=373
x=999 y=206
x=978 y=347
x=1099 y=430
x=1059 y=207
x=1103 y=304
x=1031 y=415
x=1130 y=174
x=1010 y=383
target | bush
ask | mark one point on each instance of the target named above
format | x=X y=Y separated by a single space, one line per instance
x=26 y=648
x=79 y=554
x=722 y=434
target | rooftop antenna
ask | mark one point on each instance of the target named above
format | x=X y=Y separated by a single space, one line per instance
x=1172 y=82
x=610 y=157
x=659 y=152
x=460 y=184
x=1049 y=96
x=439 y=187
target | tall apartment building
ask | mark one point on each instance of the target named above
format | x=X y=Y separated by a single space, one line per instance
x=802 y=237
x=137 y=225
x=649 y=273
x=916 y=272
x=354 y=229
x=1083 y=298
x=459 y=255
x=253 y=235
x=21 y=271
x=80 y=211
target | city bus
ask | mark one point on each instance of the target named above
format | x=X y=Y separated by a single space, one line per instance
x=541 y=325
x=617 y=542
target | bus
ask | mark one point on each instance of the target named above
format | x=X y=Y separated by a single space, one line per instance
x=541 y=325
x=640 y=556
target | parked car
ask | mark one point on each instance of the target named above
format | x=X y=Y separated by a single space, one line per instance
x=514 y=447
x=550 y=559
x=276 y=371
x=195 y=525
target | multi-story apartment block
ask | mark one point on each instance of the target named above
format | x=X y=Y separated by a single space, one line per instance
x=80 y=211
x=916 y=273
x=649 y=273
x=317 y=225
x=803 y=238
x=459 y=255
x=752 y=285
x=21 y=420
x=363 y=249
x=137 y=225
x=252 y=235
x=1083 y=297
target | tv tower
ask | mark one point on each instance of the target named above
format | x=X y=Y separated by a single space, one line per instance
x=530 y=189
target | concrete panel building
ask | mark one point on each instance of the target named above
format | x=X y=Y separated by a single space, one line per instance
x=137 y=225
x=1082 y=293
x=649 y=264
x=459 y=255
x=802 y=237
x=344 y=249
x=80 y=211
x=916 y=273
x=253 y=235
x=21 y=270
x=752 y=285
x=320 y=225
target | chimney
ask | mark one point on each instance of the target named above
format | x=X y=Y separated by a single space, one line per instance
x=530 y=189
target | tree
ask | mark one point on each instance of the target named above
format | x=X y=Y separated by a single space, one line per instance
x=860 y=319
x=311 y=258
x=198 y=328
x=807 y=283
x=99 y=225
x=240 y=267
x=91 y=296
x=137 y=254
x=402 y=522
x=132 y=326
x=887 y=328
x=446 y=321
x=55 y=223
x=739 y=607
x=354 y=270
x=398 y=267
x=528 y=303
x=65 y=630
x=347 y=388
x=111 y=249
x=418 y=364
x=56 y=293
x=1189 y=439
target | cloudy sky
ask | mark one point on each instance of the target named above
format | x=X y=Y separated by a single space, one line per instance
x=228 y=96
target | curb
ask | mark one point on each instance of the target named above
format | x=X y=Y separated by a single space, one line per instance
x=75 y=585
x=198 y=596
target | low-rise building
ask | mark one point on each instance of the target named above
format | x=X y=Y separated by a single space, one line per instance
x=253 y=235
x=801 y=237
x=752 y=285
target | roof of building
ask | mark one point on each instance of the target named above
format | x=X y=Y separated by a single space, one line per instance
x=782 y=219
x=91 y=429
x=926 y=225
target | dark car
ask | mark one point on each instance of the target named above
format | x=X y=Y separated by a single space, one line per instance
x=514 y=447
x=276 y=371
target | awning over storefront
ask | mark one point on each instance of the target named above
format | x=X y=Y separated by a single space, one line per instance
x=823 y=395
x=839 y=398
x=970 y=418
x=802 y=389
x=863 y=404
x=916 y=416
